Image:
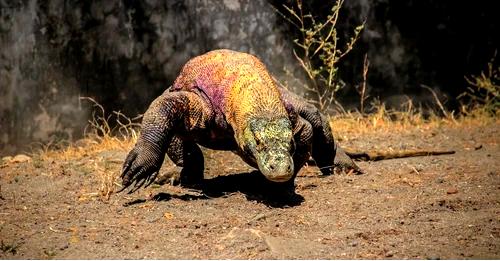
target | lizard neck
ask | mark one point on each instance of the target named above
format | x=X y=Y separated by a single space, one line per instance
x=258 y=99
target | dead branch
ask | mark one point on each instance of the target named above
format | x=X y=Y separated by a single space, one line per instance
x=378 y=155
x=362 y=89
x=441 y=107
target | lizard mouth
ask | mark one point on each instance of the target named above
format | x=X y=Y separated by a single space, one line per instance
x=277 y=169
x=279 y=178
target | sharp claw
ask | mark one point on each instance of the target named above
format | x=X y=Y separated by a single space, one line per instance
x=151 y=179
x=136 y=187
x=133 y=189
x=140 y=182
x=128 y=164
x=147 y=179
x=122 y=189
x=138 y=179
x=124 y=171
x=133 y=183
x=125 y=185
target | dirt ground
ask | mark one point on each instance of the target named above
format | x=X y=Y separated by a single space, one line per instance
x=437 y=207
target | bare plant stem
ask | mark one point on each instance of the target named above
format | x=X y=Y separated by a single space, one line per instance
x=362 y=89
x=438 y=102
x=318 y=52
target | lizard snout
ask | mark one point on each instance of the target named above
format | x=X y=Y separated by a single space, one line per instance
x=277 y=168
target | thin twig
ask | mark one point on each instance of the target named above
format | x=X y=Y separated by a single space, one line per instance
x=362 y=89
x=437 y=100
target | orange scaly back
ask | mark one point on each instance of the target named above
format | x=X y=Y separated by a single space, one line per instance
x=237 y=84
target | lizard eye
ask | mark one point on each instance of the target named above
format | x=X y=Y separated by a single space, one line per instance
x=258 y=142
x=258 y=138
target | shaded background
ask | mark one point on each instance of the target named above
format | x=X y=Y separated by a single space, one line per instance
x=124 y=53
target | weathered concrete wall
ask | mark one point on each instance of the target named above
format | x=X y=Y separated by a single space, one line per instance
x=38 y=98
x=122 y=53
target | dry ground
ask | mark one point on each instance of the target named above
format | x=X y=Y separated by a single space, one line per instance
x=423 y=207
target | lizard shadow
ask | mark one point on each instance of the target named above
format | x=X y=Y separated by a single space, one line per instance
x=253 y=185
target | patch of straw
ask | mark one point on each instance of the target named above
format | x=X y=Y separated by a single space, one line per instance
x=357 y=125
x=99 y=138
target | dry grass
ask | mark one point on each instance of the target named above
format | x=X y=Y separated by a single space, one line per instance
x=353 y=125
x=484 y=90
x=87 y=154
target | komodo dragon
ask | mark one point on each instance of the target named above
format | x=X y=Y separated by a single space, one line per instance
x=227 y=100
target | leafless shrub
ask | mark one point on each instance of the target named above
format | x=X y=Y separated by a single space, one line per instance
x=319 y=51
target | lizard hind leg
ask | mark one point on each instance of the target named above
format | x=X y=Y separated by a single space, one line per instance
x=329 y=156
x=188 y=155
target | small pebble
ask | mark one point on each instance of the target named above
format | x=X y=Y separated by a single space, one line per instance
x=152 y=219
x=439 y=180
x=452 y=191
x=354 y=243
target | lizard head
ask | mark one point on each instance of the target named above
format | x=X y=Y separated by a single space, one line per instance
x=270 y=142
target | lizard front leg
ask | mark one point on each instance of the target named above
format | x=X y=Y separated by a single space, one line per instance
x=186 y=154
x=170 y=114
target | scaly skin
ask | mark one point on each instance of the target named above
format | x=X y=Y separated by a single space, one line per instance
x=227 y=100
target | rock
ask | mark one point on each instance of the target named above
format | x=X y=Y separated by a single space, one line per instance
x=6 y=159
x=258 y=217
x=440 y=180
x=389 y=253
x=152 y=219
x=281 y=247
x=452 y=191
x=293 y=248
x=243 y=238
x=20 y=158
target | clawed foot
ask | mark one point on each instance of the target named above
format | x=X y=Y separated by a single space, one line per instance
x=347 y=171
x=341 y=169
x=140 y=168
x=170 y=175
